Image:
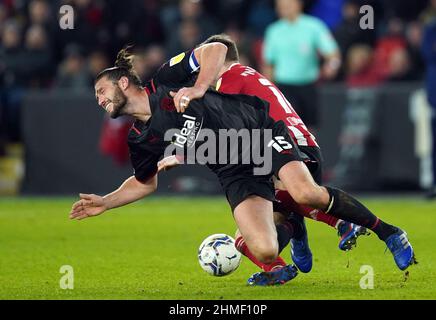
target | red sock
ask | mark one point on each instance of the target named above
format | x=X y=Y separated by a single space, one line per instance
x=288 y=204
x=328 y=219
x=243 y=248
x=278 y=263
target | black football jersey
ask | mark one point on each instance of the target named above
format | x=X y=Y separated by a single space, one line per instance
x=149 y=140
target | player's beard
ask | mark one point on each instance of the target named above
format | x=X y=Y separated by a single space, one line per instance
x=119 y=102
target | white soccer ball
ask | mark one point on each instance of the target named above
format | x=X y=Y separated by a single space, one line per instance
x=218 y=256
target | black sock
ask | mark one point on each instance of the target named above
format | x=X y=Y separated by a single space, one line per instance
x=297 y=223
x=345 y=207
x=285 y=232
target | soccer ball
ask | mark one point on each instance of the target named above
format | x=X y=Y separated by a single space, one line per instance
x=218 y=256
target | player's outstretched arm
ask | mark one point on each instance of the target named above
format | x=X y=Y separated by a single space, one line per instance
x=91 y=205
x=211 y=58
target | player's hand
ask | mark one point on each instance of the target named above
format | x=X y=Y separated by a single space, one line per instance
x=168 y=163
x=89 y=205
x=184 y=96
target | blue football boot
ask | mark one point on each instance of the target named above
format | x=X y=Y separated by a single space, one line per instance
x=275 y=277
x=300 y=251
x=401 y=249
x=349 y=232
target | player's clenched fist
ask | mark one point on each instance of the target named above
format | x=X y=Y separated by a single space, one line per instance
x=89 y=205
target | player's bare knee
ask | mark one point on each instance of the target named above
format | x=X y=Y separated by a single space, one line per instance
x=266 y=253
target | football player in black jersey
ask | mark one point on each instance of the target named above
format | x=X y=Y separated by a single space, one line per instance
x=119 y=92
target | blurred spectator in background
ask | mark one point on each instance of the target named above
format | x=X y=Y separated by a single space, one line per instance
x=186 y=37
x=405 y=10
x=113 y=139
x=12 y=79
x=147 y=26
x=97 y=61
x=250 y=50
x=3 y=16
x=330 y=12
x=348 y=32
x=359 y=68
x=429 y=53
x=11 y=60
x=291 y=50
x=186 y=25
x=3 y=133
x=237 y=11
x=40 y=14
x=387 y=44
x=38 y=56
x=36 y=53
x=193 y=10
x=146 y=61
x=155 y=57
x=260 y=15
x=72 y=72
x=140 y=63
x=400 y=67
x=89 y=28
x=429 y=14
x=414 y=42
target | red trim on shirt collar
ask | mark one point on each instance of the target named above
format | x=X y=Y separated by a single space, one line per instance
x=136 y=130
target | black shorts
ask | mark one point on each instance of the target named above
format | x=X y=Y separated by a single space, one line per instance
x=239 y=181
x=246 y=186
x=283 y=148
x=304 y=99
x=314 y=162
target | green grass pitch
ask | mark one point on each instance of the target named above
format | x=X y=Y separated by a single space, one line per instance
x=148 y=250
